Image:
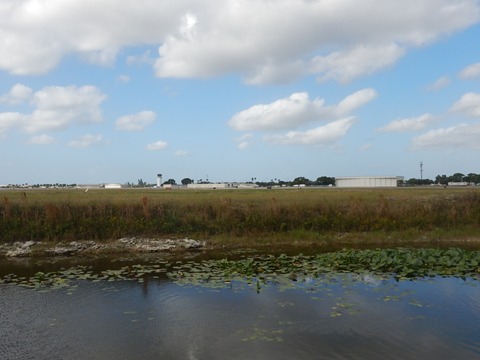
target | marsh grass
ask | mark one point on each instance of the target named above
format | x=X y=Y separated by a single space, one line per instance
x=308 y=215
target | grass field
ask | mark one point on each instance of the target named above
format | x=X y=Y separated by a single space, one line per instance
x=243 y=217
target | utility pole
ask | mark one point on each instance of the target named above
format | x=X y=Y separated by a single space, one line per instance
x=421 y=170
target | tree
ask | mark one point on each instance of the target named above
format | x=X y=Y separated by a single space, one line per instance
x=186 y=181
x=413 y=182
x=170 y=182
x=457 y=177
x=141 y=183
x=473 y=178
x=301 y=180
x=442 y=180
x=325 y=181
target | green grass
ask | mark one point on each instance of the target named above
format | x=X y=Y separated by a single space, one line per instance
x=229 y=217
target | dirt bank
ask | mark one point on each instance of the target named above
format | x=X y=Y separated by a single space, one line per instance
x=123 y=245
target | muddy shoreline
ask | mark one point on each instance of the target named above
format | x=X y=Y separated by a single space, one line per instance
x=75 y=248
x=144 y=245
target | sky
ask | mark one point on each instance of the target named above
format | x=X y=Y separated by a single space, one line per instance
x=108 y=91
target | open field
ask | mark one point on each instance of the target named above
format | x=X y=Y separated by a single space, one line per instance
x=306 y=216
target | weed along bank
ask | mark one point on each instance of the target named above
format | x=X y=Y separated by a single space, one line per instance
x=242 y=216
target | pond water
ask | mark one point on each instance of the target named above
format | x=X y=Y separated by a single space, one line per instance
x=157 y=315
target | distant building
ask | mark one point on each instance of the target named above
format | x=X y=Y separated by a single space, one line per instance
x=113 y=186
x=368 y=181
x=89 y=186
x=459 y=183
x=211 y=186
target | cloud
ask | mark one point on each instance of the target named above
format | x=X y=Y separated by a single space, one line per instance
x=285 y=113
x=56 y=108
x=181 y=153
x=462 y=136
x=86 y=141
x=439 y=84
x=10 y=120
x=366 y=147
x=41 y=140
x=344 y=66
x=409 y=124
x=469 y=105
x=145 y=58
x=135 y=122
x=323 y=135
x=470 y=72
x=244 y=141
x=264 y=41
x=296 y=110
x=354 y=101
x=158 y=145
x=18 y=94
x=103 y=57
x=123 y=78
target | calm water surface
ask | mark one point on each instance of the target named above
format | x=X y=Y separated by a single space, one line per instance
x=340 y=316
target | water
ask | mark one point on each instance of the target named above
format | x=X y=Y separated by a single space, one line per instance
x=337 y=316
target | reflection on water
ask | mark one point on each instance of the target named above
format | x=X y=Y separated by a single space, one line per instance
x=339 y=316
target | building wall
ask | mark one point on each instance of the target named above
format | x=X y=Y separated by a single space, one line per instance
x=208 y=186
x=113 y=186
x=368 y=181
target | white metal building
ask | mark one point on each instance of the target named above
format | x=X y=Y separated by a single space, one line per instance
x=368 y=181
x=113 y=186
x=209 y=186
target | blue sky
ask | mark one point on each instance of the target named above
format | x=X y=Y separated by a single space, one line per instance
x=95 y=91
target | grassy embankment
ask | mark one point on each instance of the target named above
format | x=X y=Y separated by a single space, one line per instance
x=244 y=217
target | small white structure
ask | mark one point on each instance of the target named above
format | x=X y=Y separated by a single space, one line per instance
x=210 y=186
x=458 y=183
x=368 y=181
x=113 y=186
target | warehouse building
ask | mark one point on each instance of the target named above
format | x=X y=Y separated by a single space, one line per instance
x=368 y=181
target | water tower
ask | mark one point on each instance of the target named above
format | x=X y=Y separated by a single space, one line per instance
x=159 y=180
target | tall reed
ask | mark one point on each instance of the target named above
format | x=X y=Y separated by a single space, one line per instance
x=253 y=213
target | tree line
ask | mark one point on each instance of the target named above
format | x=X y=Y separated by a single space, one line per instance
x=470 y=178
x=301 y=180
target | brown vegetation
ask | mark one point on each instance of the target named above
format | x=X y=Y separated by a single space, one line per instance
x=227 y=215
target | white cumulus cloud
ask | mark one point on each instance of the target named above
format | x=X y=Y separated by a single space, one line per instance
x=471 y=72
x=18 y=94
x=350 y=63
x=135 y=122
x=296 y=110
x=439 y=84
x=289 y=112
x=244 y=141
x=181 y=153
x=469 y=105
x=124 y=78
x=55 y=108
x=322 y=135
x=158 y=145
x=461 y=136
x=409 y=124
x=41 y=140
x=265 y=41
x=85 y=141
x=354 y=101
x=10 y=120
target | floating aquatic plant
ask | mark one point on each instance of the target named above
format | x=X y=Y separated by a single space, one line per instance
x=308 y=272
